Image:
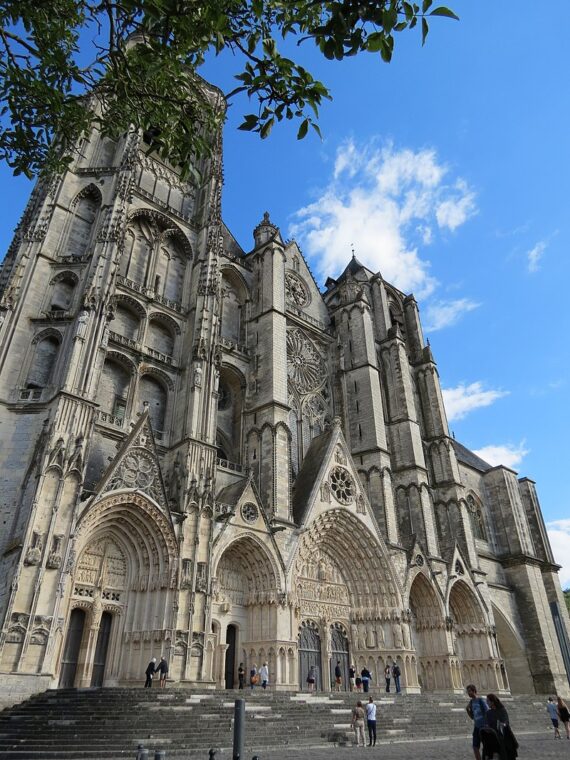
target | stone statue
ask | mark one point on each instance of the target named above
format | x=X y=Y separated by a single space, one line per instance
x=197 y=376
x=370 y=639
x=397 y=634
x=380 y=636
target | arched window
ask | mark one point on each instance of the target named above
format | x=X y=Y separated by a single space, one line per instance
x=126 y=322
x=477 y=519
x=160 y=337
x=113 y=389
x=62 y=296
x=43 y=364
x=152 y=391
x=135 y=260
x=233 y=305
x=84 y=209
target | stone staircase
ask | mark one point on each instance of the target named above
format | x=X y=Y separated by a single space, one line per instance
x=92 y=724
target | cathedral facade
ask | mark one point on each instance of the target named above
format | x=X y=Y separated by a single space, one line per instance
x=206 y=457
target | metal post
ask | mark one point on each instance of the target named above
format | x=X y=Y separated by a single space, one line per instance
x=239 y=728
x=142 y=753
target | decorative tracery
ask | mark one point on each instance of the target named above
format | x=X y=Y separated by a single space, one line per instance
x=296 y=292
x=342 y=485
x=305 y=366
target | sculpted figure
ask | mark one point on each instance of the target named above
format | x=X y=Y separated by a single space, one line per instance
x=397 y=633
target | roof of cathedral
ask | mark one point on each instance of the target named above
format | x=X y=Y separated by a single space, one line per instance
x=308 y=474
x=353 y=267
x=231 y=494
x=467 y=457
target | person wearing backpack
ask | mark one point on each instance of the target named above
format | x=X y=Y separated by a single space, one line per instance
x=396 y=673
x=477 y=710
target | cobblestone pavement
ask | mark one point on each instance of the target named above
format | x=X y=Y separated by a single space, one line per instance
x=535 y=746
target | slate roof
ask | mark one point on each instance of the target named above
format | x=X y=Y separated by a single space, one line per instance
x=231 y=494
x=469 y=458
x=308 y=474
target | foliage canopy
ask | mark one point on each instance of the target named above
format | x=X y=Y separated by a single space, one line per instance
x=54 y=53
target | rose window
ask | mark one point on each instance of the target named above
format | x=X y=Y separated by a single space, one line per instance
x=342 y=485
x=137 y=471
x=305 y=366
x=295 y=290
x=249 y=512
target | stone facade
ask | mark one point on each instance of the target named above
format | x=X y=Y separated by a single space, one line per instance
x=203 y=456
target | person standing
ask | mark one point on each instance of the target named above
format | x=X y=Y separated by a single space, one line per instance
x=371 y=721
x=497 y=718
x=564 y=715
x=253 y=677
x=149 y=672
x=311 y=678
x=337 y=676
x=366 y=677
x=396 y=673
x=241 y=676
x=387 y=676
x=264 y=675
x=553 y=712
x=476 y=709
x=351 y=677
x=358 y=724
x=162 y=668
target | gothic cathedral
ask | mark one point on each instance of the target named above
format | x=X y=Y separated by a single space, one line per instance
x=206 y=457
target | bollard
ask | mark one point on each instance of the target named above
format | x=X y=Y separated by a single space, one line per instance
x=239 y=728
x=142 y=753
x=160 y=754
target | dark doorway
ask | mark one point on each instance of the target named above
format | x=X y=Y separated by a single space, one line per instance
x=339 y=651
x=309 y=654
x=231 y=635
x=101 y=649
x=71 y=650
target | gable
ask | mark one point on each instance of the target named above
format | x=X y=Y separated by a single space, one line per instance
x=136 y=466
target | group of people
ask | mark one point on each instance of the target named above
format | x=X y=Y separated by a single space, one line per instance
x=491 y=726
x=358 y=716
x=362 y=682
x=256 y=677
x=152 y=668
x=559 y=713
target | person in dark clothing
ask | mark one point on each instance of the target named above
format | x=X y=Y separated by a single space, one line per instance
x=366 y=677
x=162 y=668
x=241 y=676
x=476 y=709
x=337 y=676
x=149 y=672
x=497 y=719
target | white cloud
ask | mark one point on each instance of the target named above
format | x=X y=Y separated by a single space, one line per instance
x=559 y=535
x=441 y=314
x=534 y=256
x=386 y=202
x=509 y=455
x=454 y=212
x=463 y=399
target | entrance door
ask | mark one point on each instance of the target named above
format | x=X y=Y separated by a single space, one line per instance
x=339 y=642
x=72 y=648
x=309 y=654
x=230 y=656
x=101 y=649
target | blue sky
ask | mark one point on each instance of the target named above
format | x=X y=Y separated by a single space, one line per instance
x=449 y=171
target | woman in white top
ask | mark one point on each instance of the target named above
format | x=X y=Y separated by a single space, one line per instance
x=264 y=675
x=371 y=720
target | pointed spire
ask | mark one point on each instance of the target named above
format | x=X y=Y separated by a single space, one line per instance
x=265 y=230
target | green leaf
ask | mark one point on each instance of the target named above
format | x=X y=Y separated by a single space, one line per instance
x=426 y=5
x=303 y=129
x=425 y=30
x=443 y=11
x=266 y=128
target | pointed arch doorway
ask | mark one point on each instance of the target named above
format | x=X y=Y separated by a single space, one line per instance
x=309 y=654
x=72 y=648
x=230 y=669
x=339 y=653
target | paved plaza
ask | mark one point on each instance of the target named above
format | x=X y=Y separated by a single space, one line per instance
x=532 y=745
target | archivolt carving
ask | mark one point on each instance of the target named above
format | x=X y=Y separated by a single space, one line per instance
x=357 y=556
x=246 y=574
